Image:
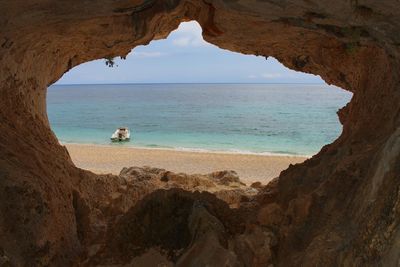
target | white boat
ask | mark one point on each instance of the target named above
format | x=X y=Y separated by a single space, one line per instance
x=121 y=134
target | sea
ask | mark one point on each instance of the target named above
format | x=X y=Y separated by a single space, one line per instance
x=269 y=119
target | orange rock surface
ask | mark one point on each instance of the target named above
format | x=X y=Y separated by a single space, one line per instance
x=339 y=208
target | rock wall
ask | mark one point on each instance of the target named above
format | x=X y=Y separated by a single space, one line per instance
x=339 y=208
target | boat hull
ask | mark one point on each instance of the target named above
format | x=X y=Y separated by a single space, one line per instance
x=120 y=139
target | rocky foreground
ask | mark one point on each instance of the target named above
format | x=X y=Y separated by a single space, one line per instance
x=153 y=217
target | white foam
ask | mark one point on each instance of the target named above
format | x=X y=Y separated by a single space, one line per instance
x=196 y=150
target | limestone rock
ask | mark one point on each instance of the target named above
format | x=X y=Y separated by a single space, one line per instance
x=339 y=208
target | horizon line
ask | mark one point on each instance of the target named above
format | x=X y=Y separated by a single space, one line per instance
x=138 y=83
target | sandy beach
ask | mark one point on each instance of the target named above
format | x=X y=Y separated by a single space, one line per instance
x=111 y=159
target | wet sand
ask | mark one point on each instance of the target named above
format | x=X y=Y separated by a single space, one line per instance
x=111 y=159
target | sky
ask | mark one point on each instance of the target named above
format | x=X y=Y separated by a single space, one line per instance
x=184 y=57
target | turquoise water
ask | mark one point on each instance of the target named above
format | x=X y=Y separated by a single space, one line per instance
x=258 y=118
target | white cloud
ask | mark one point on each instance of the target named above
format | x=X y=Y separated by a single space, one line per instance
x=199 y=42
x=271 y=75
x=188 y=34
x=252 y=76
x=142 y=54
x=183 y=41
x=191 y=27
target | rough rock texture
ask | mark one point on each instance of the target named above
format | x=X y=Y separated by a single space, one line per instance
x=339 y=208
x=120 y=218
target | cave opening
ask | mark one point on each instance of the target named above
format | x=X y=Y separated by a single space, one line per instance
x=185 y=94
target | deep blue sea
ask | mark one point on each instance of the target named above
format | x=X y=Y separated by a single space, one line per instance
x=295 y=119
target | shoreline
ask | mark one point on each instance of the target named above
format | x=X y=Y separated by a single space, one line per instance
x=194 y=150
x=251 y=168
